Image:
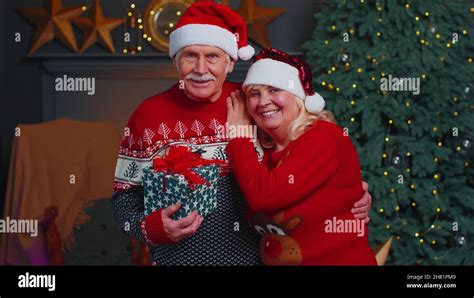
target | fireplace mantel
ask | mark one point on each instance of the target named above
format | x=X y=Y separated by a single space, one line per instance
x=122 y=82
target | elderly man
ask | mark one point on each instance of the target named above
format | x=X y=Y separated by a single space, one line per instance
x=208 y=39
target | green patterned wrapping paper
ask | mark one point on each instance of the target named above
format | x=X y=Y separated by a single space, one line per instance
x=203 y=198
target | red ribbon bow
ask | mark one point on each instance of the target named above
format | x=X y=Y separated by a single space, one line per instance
x=181 y=160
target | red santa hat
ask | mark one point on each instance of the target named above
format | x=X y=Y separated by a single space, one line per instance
x=212 y=24
x=279 y=69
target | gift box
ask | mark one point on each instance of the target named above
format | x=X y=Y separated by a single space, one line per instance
x=181 y=176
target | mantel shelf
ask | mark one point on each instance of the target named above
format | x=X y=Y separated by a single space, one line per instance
x=98 y=56
x=121 y=66
x=121 y=82
x=119 y=56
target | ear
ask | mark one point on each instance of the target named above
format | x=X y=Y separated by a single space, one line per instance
x=174 y=63
x=231 y=65
x=293 y=223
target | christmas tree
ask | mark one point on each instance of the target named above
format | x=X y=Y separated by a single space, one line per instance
x=398 y=75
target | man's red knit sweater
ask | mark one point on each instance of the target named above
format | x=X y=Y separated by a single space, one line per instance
x=169 y=118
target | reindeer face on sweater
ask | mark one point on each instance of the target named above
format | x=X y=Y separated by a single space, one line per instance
x=277 y=247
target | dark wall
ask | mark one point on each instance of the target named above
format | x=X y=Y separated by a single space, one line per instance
x=20 y=77
x=294 y=27
x=5 y=106
x=20 y=100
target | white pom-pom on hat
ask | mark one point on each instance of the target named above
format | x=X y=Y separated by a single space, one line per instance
x=314 y=103
x=247 y=52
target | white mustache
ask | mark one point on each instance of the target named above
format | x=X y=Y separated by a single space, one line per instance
x=200 y=78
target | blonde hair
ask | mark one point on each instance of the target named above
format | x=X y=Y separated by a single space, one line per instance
x=303 y=122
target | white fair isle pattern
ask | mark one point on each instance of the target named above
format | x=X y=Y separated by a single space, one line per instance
x=124 y=137
x=215 y=125
x=130 y=163
x=151 y=150
x=181 y=129
x=130 y=169
x=130 y=140
x=164 y=130
x=197 y=127
x=148 y=135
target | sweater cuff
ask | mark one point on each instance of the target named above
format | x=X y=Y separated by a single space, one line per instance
x=153 y=230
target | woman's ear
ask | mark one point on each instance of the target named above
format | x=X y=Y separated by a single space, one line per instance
x=299 y=104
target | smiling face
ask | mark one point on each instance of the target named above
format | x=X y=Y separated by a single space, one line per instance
x=203 y=70
x=272 y=109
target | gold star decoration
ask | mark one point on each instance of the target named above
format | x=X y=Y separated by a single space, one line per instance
x=52 y=22
x=97 y=28
x=257 y=18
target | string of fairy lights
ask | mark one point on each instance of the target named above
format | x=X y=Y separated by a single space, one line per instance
x=433 y=36
x=134 y=20
x=135 y=15
x=427 y=40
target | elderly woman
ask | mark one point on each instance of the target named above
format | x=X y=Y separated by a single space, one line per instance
x=300 y=196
